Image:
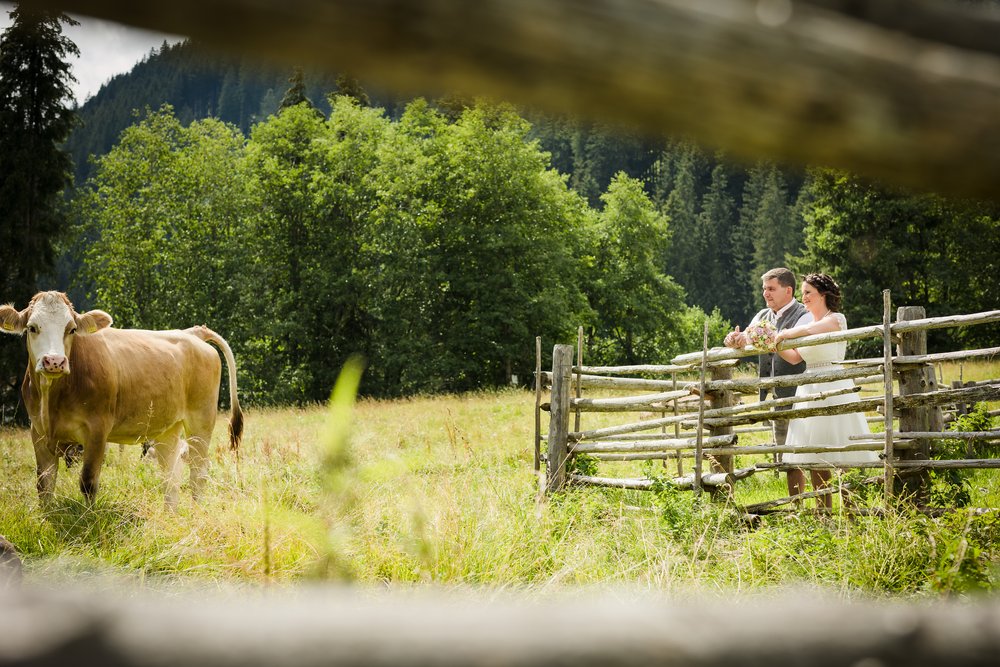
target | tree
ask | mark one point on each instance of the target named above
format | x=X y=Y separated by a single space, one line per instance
x=164 y=209
x=35 y=120
x=296 y=93
x=681 y=209
x=768 y=234
x=349 y=86
x=504 y=249
x=282 y=165
x=599 y=152
x=715 y=223
x=777 y=235
x=926 y=250
x=635 y=300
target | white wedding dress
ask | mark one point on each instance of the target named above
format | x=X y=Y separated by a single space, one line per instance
x=827 y=429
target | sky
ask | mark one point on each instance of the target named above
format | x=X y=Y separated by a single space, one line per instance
x=106 y=49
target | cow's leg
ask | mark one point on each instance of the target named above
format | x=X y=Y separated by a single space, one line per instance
x=93 y=460
x=47 y=466
x=198 y=424
x=199 y=428
x=198 y=461
x=168 y=447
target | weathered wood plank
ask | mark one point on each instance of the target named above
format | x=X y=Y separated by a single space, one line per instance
x=940 y=397
x=940 y=435
x=784 y=467
x=636 y=484
x=863 y=405
x=647 y=369
x=651 y=445
x=950 y=464
x=708 y=479
x=646 y=456
x=989 y=392
x=859 y=333
x=645 y=401
x=538 y=403
x=324 y=625
x=624 y=384
x=869 y=446
x=562 y=363
x=925 y=323
x=936 y=358
x=817 y=82
x=752 y=385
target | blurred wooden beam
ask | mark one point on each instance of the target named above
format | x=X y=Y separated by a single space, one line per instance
x=905 y=91
x=338 y=626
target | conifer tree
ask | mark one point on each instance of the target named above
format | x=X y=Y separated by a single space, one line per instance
x=349 y=86
x=718 y=217
x=35 y=119
x=684 y=261
x=773 y=226
x=296 y=93
x=744 y=236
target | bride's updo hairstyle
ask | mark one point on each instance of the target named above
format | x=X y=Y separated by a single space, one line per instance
x=828 y=287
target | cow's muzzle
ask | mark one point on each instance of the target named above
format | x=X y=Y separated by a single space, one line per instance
x=54 y=364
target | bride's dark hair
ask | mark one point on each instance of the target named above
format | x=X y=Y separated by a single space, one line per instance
x=828 y=287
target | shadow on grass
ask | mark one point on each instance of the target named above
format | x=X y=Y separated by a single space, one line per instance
x=106 y=522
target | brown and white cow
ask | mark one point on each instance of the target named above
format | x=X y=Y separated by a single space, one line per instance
x=91 y=384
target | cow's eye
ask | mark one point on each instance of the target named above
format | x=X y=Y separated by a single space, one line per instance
x=72 y=331
x=33 y=328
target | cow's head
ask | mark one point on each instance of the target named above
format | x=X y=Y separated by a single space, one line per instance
x=51 y=324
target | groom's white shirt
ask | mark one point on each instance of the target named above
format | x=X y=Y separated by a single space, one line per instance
x=806 y=317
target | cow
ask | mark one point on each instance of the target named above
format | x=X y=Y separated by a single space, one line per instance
x=88 y=383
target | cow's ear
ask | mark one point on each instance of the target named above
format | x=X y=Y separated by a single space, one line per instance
x=92 y=321
x=12 y=321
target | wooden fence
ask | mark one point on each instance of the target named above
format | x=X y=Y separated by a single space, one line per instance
x=339 y=626
x=701 y=418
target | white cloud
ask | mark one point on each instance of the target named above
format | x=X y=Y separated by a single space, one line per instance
x=106 y=49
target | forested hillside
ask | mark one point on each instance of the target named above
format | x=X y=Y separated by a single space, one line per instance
x=676 y=175
x=438 y=237
x=197 y=84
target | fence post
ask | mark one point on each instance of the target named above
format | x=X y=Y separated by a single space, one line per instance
x=888 y=453
x=538 y=403
x=562 y=390
x=677 y=428
x=915 y=380
x=722 y=399
x=699 y=436
x=579 y=376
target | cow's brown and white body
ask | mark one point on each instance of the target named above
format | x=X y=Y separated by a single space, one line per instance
x=91 y=384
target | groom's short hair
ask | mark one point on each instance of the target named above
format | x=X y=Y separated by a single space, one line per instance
x=784 y=277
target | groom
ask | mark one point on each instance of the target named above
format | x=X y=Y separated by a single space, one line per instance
x=784 y=312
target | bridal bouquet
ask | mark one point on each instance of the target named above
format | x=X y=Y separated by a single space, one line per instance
x=761 y=335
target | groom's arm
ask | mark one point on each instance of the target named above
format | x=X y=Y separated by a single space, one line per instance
x=736 y=338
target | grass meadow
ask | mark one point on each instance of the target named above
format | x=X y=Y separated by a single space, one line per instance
x=440 y=492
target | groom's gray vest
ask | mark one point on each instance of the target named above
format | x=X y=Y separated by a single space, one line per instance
x=772 y=364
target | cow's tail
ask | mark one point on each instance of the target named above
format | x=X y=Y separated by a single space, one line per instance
x=236 y=417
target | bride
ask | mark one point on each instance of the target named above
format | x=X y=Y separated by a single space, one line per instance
x=821 y=296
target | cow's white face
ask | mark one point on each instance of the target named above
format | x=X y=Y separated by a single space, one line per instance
x=51 y=327
x=50 y=324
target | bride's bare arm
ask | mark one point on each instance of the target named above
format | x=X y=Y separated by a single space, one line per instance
x=827 y=324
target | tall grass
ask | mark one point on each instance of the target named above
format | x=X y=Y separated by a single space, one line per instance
x=440 y=491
